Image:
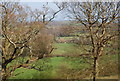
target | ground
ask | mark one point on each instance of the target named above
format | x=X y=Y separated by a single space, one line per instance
x=64 y=67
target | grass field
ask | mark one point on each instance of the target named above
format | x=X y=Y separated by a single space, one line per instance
x=60 y=67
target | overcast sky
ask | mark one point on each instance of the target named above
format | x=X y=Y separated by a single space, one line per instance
x=38 y=5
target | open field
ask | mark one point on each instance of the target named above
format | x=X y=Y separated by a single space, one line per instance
x=65 y=67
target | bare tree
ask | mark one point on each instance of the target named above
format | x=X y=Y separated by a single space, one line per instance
x=18 y=34
x=13 y=41
x=46 y=13
x=96 y=18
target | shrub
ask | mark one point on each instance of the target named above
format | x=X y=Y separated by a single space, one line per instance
x=41 y=44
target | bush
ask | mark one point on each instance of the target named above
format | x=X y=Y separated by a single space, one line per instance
x=41 y=44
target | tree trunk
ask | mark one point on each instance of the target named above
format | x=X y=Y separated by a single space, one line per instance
x=4 y=76
x=4 y=71
x=94 y=68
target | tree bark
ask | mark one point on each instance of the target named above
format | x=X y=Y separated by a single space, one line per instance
x=95 y=69
x=4 y=76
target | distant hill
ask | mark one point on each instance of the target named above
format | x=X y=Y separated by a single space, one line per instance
x=60 y=23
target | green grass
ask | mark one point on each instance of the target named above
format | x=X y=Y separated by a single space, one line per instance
x=109 y=58
x=25 y=74
x=66 y=37
x=68 y=48
x=63 y=48
x=52 y=67
x=77 y=63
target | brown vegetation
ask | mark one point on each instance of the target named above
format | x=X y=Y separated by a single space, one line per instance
x=96 y=19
